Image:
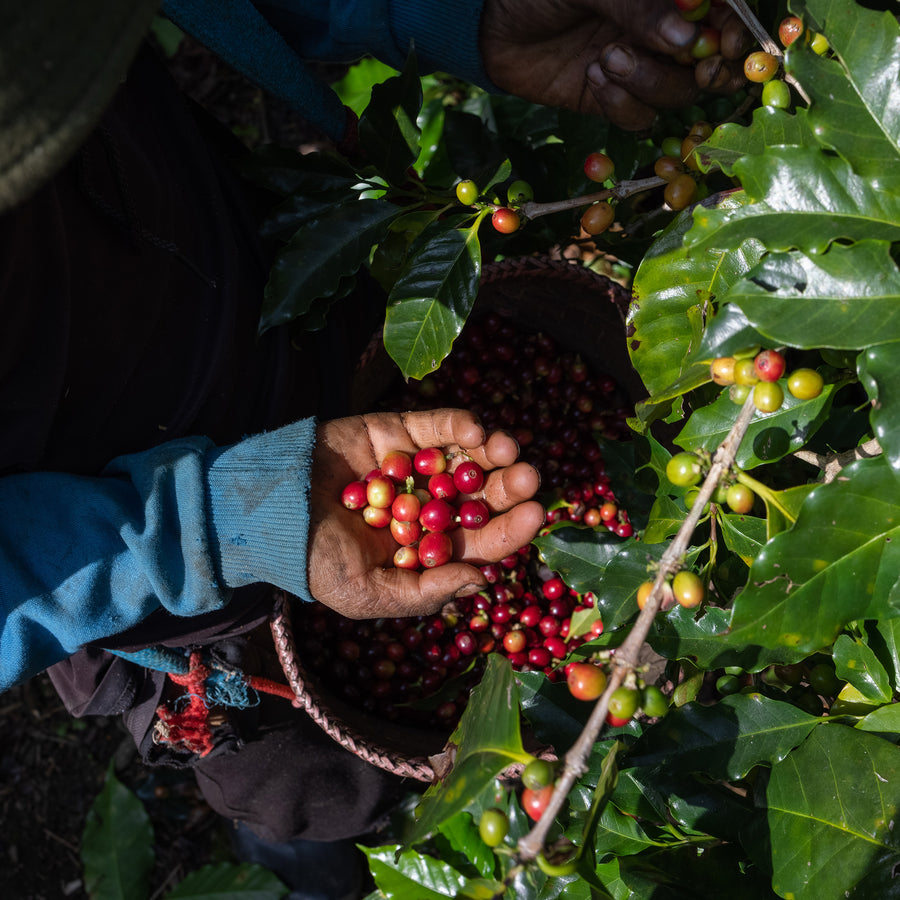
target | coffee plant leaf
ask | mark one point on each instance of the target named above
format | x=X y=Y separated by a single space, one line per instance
x=878 y=373
x=728 y=332
x=407 y=875
x=117 y=844
x=666 y=517
x=855 y=94
x=319 y=255
x=432 y=299
x=829 y=569
x=579 y=555
x=883 y=720
x=355 y=88
x=487 y=741
x=725 y=740
x=672 y=279
x=769 y=127
x=803 y=199
x=281 y=170
x=884 y=639
x=704 y=808
x=857 y=664
x=388 y=128
x=829 y=299
x=680 y=634
x=743 y=535
x=229 y=881
x=459 y=843
x=829 y=833
x=770 y=437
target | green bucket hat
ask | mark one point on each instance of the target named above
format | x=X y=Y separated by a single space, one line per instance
x=60 y=64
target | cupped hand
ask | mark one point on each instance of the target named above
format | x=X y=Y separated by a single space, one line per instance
x=606 y=57
x=350 y=566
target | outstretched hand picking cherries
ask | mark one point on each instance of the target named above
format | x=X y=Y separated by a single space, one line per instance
x=622 y=61
x=351 y=566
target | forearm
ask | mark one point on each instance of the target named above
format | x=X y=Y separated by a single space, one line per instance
x=176 y=527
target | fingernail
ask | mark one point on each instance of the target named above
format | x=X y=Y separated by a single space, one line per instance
x=677 y=30
x=468 y=590
x=619 y=61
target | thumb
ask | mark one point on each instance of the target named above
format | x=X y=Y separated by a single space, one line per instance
x=403 y=592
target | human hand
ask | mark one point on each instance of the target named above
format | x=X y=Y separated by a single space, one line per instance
x=606 y=57
x=350 y=562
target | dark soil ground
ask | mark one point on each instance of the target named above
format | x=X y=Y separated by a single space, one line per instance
x=53 y=766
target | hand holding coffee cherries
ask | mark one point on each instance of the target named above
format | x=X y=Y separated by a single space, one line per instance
x=350 y=563
x=622 y=61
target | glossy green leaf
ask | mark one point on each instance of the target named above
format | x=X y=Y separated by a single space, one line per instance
x=884 y=639
x=432 y=299
x=770 y=437
x=615 y=593
x=666 y=517
x=488 y=740
x=579 y=555
x=769 y=127
x=671 y=280
x=856 y=663
x=878 y=367
x=409 y=875
x=461 y=833
x=804 y=199
x=320 y=254
x=228 y=881
x=831 y=568
x=884 y=719
x=388 y=128
x=729 y=332
x=725 y=740
x=827 y=300
x=743 y=535
x=855 y=95
x=833 y=804
x=281 y=170
x=117 y=845
x=704 y=639
x=355 y=88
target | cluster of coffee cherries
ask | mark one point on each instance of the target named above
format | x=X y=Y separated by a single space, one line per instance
x=761 y=374
x=419 y=670
x=677 y=163
x=548 y=399
x=505 y=217
x=762 y=67
x=686 y=469
x=420 y=517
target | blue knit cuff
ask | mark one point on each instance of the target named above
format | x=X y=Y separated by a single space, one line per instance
x=258 y=503
x=445 y=35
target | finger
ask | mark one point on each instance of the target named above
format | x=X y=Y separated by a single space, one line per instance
x=444 y=428
x=499 y=449
x=719 y=75
x=655 y=82
x=654 y=24
x=502 y=536
x=504 y=488
x=403 y=593
x=736 y=40
x=609 y=100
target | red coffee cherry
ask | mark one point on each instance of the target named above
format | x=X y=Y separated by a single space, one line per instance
x=535 y=802
x=474 y=514
x=397 y=465
x=380 y=492
x=505 y=220
x=789 y=30
x=585 y=680
x=468 y=477
x=769 y=365
x=598 y=167
x=354 y=495
x=435 y=549
x=430 y=461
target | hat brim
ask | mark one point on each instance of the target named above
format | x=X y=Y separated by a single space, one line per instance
x=60 y=65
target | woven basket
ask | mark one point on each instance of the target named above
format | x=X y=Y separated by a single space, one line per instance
x=585 y=312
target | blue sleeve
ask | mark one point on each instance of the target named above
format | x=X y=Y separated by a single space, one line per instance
x=268 y=40
x=176 y=527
